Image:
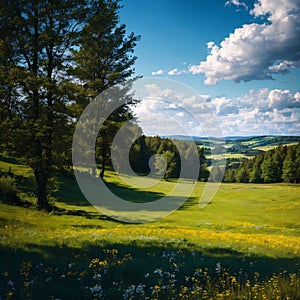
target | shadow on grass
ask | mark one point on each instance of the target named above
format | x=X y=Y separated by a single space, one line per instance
x=83 y=213
x=133 y=194
x=190 y=202
x=70 y=193
x=69 y=272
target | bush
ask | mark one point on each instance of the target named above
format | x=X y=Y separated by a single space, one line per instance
x=8 y=189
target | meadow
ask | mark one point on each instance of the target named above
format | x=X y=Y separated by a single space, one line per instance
x=245 y=244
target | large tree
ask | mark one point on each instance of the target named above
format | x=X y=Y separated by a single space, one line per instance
x=105 y=58
x=38 y=36
x=291 y=165
x=46 y=57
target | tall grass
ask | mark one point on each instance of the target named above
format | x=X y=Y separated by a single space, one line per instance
x=116 y=273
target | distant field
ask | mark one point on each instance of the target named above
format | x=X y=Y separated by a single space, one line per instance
x=77 y=253
x=227 y=155
x=266 y=148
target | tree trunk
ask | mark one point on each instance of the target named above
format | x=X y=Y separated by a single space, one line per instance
x=104 y=150
x=42 y=202
x=102 y=167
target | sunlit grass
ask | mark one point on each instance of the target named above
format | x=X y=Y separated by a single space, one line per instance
x=247 y=229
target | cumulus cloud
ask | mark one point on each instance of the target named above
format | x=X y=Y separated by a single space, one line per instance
x=256 y=51
x=257 y=112
x=158 y=72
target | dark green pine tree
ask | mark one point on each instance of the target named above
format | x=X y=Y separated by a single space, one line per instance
x=229 y=175
x=291 y=166
x=268 y=168
x=204 y=172
x=297 y=162
x=165 y=164
x=278 y=158
x=103 y=59
x=139 y=156
x=255 y=175
x=36 y=38
x=242 y=175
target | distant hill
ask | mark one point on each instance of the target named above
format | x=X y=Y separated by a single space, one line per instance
x=254 y=141
x=237 y=148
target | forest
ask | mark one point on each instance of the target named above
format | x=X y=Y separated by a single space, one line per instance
x=281 y=164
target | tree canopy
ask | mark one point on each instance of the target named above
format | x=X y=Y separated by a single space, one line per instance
x=281 y=164
x=54 y=56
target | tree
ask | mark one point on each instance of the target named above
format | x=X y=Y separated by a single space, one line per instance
x=255 y=173
x=203 y=172
x=278 y=158
x=289 y=170
x=229 y=175
x=216 y=173
x=53 y=53
x=242 y=175
x=165 y=164
x=38 y=36
x=140 y=155
x=105 y=58
x=268 y=168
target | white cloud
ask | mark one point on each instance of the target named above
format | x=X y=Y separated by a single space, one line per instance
x=257 y=112
x=237 y=3
x=180 y=114
x=158 y=72
x=256 y=51
x=173 y=72
x=260 y=112
x=176 y=72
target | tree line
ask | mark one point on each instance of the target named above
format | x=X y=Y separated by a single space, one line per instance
x=281 y=164
x=170 y=156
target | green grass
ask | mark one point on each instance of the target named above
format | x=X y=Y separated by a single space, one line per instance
x=226 y=155
x=270 y=147
x=246 y=229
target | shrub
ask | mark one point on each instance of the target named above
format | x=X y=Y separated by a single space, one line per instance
x=8 y=189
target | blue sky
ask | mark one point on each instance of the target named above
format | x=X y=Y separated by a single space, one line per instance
x=242 y=57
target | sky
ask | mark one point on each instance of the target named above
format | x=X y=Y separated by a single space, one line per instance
x=242 y=58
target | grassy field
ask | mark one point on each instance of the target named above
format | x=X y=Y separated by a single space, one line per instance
x=244 y=245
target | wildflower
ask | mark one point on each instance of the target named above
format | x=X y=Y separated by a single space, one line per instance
x=71 y=265
x=158 y=271
x=140 y=289
x=129 y=292
x=10 y=283
x=97 y=276
x=218 y=268
x=97 y=291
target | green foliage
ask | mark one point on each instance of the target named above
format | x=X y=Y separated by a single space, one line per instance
x=173 y=152
x=275 y=165
x=291 y=165
x=103 y=59
x=8 y=189
x=165 y=164
x=47 y=49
